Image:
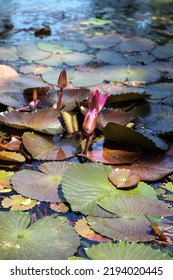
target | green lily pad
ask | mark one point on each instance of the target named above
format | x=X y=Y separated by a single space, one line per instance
x=126 y=135
x=44 y=120
x=54 y=47
x=125 y=251
x=50 y=148
x=103 y=41
x=121 y=73
x=43 y=185
x=131 y=223
x=77 y=58
x=111 y=57
x=81 y=79
x=136 y=44
x=5 y=177
x=31 y=52
x=8 y=53
x=53 y=60
x=46 y=239
x=94 y=186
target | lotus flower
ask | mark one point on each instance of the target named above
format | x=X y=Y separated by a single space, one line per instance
x=96 y=102
x=90 y=121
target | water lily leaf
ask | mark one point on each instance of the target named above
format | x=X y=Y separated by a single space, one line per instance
x=129 y=96
x=18 y=202
x=44 y=120
x=161 y=92
x=136 y=44
x=112 y=115
x=139 y=58
x=121 y=178
x=96 y=21
x=7 y=72
x=168 y=186
x=50 y=148
x=74 y=45
x=121 y=73
x=80 y=79
x=156 y=117
x=129 y=136
x=110 y=153
x=72 y=96
x=46 y=239
x=111 y=57
x=94 y=186
x=151 y=167
x=8 y=53
x=35 y=69
x=53 y=60
x=5 y=177
x=54 y=47
x=164 y=51
x=125 y=251
x=83 y=229
x=43 y=185
x=51 y=77
x=11 y=156
x=12 y=145
x=77 y=58
x=31 y=52
x=103 y=41
x=59 y=207
x=23 y=82
x=131 y=223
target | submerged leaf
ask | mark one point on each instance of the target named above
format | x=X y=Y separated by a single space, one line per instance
x=46 y=239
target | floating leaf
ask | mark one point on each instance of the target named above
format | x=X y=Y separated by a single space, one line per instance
x=18 y=202
x=31 y=52
x=46 y=239
x=45 y=120
x=5 y=177
x=7 y=72
x=77 y=58
x=43 y=185
x=103 y=41
x=156 y=117
x=53 y=60
x=80 y=79
x=121 y=73
x=111 y=57
x=12 y=145
x=94 y=186
x=54 y=47
x=110 y=152
x=125 y=251
x=11 y=156
x=136 y=44
x=131 y=223
x=164 y=51
x=8 y=53
x=121 y=178
x=50 y=148
x=59 y=207
x=83 y=229
x=129 y=136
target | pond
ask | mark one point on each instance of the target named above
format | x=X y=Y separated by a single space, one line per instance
x=86 y=125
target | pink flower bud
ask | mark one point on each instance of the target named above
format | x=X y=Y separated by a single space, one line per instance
x=62 y=80
x=95 y=101
x=90 y=121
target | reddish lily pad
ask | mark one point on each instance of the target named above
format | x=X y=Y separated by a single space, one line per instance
x=45 y=120
x=121 y=178
x=109 y=152
x=43 y=185
x=50 y=148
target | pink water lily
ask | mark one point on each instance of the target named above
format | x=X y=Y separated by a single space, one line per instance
x=90 y=121
x=96 y=102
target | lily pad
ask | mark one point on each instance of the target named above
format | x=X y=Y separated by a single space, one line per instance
x=161 y=92
x=31 y=52
x=103 y=41
x=121 y=73
x=5 y=177
x=80 y=79
x=8 y=53
x=50 y=148
x=18 y=202
x=45 y=120
x=126 y=135
x=111 y=57
x=43 y=185
x=53 y=60
x=46 y=239
x=77 y=58
x=11 y=156
x=54 y=47
x=125 y=251
x=131 y=223
x=94 y=186
x=136 y=44
x=7 y=72
x=164 y=51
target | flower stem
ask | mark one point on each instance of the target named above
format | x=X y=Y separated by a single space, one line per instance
x=59 y=99
x=87 y=143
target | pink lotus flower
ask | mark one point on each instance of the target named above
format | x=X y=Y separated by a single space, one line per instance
x=95 y=101
x=90 y=121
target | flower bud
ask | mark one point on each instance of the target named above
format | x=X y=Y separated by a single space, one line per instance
x=62 y=80
x=90 y=121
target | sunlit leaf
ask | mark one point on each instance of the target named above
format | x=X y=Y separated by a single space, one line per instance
x=7 y=72
x=45 y=120
x=77 y=58
x=11 y=156
x=12 y=145
x=129 y=136
x=46 y=239
x=121 y=178
x=18 y=202
x=43 y=185
x=59 y=207
x=5 y=177
x=50 y=148
x=31 y=52
x=125 y=251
